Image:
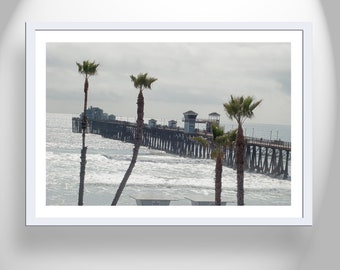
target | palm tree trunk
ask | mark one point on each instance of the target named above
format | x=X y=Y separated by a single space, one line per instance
x=82 y=176
x=239 y=165
x=138 y=140
x=84 y=148
x=218 y=179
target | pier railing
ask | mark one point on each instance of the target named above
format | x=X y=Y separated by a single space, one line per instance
x=269 y=143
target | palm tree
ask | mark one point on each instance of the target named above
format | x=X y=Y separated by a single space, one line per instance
x=219 y=142
x=87 y=69
x=141 y=82
x=240 y=109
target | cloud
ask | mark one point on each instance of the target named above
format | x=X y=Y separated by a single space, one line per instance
x=199 y=75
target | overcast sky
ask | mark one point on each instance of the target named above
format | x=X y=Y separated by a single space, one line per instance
x=191 y=76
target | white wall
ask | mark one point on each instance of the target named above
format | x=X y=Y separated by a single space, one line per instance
x=168 y=248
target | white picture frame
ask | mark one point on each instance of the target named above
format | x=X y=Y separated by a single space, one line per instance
x=298 y=213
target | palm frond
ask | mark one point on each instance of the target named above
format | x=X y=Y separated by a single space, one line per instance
x=87 y=68
x=216 y=152
x=80 y=67
x=254 y=105
x=227 y=139
x=150 y=81
x=232 y=108
x=201 y=140
x=217 y=131
x=133 y=79
x=232 y=134
x=142 y=81
x=241 y=108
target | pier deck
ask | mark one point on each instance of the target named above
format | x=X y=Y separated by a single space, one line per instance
x=270 y=157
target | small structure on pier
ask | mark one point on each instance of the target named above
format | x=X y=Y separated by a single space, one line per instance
x=112 y=117
x=172 y=124
x=152 y=123
x=214 y=118
x=93 y=113
x=189 y=121
x=96 y=113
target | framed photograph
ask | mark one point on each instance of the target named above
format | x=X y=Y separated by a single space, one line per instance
x=168 y=124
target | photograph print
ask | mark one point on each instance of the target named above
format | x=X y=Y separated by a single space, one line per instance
x=180 y=119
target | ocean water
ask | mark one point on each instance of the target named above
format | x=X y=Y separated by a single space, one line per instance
x=155 y=174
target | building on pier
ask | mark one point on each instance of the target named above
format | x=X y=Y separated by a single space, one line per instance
x=112 y=117
x=190 y=118
x=214 y=118
x=189 y=121
x=152 y=123
x=172 y=124
x=96 y=113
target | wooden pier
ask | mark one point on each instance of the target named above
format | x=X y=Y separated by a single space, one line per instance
x=261 y=156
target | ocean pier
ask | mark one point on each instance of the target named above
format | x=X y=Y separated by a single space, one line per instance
x=270 y=157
